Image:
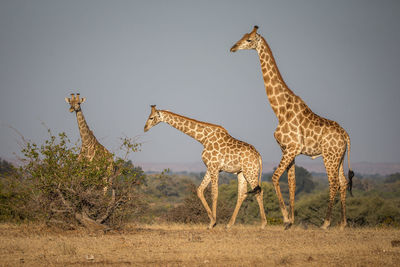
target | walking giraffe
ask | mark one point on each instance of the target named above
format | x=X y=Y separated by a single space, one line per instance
x=221 y=152
x=300 y=131
x=90 y=147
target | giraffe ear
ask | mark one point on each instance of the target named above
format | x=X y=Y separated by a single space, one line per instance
x=83 y=99
x=67 y=100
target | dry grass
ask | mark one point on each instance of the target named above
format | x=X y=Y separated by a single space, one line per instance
x=193 y=245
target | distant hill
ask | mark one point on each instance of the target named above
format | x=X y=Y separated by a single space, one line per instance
x=358 y=167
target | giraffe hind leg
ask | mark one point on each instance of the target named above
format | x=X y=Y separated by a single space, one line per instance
x=242 y=185
x=332 y=170
x=343 y=188
x=260 y=200
x=214 y=197
x=292 y=191
x=254 y=183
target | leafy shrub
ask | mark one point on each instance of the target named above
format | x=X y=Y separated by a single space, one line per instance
x=67 y=191
x=15 y=195
x=363 y=210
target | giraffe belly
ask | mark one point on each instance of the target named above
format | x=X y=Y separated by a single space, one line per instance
x=231 y=168
x=311 y=148
x=231 y=164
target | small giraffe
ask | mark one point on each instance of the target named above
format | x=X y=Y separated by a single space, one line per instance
x=90 y=148
x=300 y=131
x=221 y=152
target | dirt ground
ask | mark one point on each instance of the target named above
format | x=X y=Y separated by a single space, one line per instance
x=194 y=245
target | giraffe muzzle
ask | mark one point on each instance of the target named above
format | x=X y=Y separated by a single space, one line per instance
x=234 y=48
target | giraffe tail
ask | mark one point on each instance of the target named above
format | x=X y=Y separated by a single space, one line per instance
x=351 y=173
x=260 y=164
x=257 y=189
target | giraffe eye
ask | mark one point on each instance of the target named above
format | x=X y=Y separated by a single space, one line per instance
x=248 y=40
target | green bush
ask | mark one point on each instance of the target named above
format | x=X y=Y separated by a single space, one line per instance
x=54 y=186
x=362 y=210
x=15 y=198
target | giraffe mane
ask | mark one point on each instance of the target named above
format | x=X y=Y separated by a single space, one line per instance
x=196 y=121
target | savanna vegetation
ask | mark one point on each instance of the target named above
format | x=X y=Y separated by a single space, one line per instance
x=51 y=185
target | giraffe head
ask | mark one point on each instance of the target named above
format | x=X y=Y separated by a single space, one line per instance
x=248 y=41
x=75 y=102
x=154 y=118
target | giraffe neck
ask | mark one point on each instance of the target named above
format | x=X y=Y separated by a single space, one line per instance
x=196 y=129
x=87 y=136
x=277 y=91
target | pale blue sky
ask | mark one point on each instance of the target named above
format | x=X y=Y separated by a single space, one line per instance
x=342 y=57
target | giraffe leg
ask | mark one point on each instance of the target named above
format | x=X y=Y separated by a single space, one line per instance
x=260 y=201
x=254 y=183
x=292 y=190
x=200 y=194
x=343 y=189
x=332 y=170
x=285 y=161
x=214 y=197
x=242 y=186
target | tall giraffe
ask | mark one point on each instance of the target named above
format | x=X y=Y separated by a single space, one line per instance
x=300 y=131
x=221 y=152
x=90 y=147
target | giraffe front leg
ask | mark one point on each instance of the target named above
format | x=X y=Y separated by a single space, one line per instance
x=285 y=161
x=200 y=194
x=292 y=190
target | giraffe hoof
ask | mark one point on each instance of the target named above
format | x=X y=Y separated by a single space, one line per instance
x=212 y=225
x=287 y=225
x=325 y=226
x=263 y=224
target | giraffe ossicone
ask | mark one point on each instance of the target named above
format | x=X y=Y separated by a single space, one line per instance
x=300 y=131
x=221 y=152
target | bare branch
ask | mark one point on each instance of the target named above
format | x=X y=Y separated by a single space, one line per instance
x=64 y=201
x=59 y=211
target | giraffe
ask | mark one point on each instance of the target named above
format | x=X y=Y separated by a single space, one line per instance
x=300 y=131
x=90 y=147
x=221 y=152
